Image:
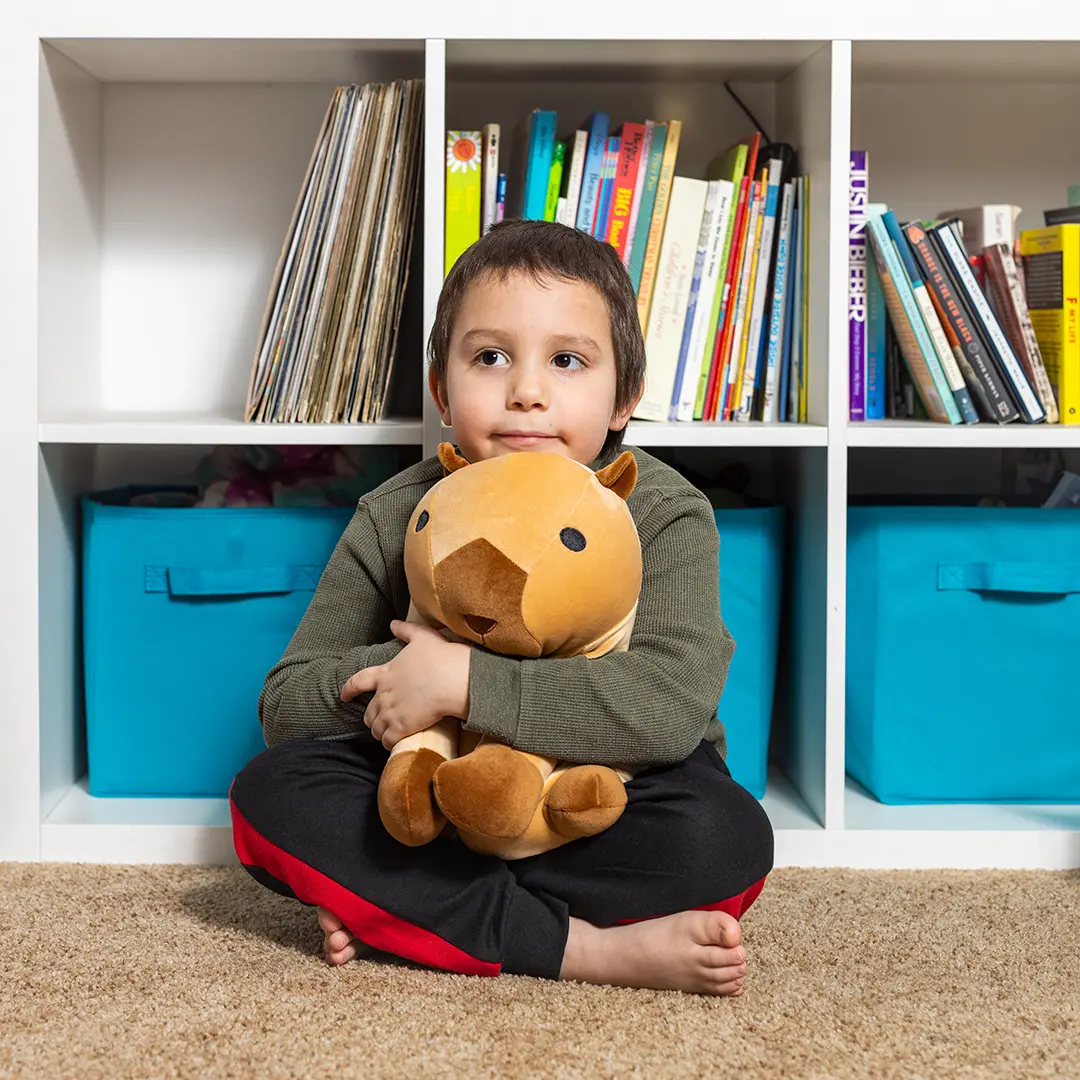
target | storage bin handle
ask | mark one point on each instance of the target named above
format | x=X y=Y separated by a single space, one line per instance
x=231 y=581
x=1017 y=577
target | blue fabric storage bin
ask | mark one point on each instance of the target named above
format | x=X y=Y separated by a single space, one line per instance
x=184 y=613
x=751 y=566
x=963 y=638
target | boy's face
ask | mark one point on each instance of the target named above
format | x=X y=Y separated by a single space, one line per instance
x=531 y=367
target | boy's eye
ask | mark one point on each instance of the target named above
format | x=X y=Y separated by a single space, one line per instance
x=490 y=358
x=566 y=361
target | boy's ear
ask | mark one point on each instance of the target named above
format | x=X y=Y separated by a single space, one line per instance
x=450 y=458
x=621 y=475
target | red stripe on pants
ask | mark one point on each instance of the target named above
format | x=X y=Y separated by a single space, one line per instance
x=371 y=924
x=735 y=905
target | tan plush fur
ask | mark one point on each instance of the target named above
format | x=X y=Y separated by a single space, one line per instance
x=528 y=555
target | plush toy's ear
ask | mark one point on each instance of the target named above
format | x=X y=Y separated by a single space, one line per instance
x=450 y=458
x=621 y=475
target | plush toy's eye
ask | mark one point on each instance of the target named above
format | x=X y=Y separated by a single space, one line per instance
x=572 y=539
x=422 y=520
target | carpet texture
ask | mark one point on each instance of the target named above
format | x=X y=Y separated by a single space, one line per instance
x=169 y=971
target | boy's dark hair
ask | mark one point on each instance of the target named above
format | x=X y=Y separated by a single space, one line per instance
x=547 y=249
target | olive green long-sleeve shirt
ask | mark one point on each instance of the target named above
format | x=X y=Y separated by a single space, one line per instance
x=648 y=706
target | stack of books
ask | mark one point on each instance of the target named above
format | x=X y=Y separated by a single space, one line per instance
x=330 y=327
x=960 y=319
x=718 y=264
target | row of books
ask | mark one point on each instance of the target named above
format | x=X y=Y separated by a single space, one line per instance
x=718 y=264
x=329 y=331
x=961 y=319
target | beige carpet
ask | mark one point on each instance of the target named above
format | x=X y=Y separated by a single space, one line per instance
x=113 y=972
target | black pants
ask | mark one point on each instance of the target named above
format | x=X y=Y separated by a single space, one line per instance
x=306 y=824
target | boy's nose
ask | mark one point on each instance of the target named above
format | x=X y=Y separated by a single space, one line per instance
x=527 y=390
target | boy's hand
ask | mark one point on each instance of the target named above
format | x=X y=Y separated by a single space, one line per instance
x=427 y=680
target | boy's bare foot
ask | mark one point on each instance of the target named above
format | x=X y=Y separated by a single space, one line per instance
x=694 y=951
x=339 y=946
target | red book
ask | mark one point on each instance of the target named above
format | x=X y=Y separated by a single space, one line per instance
x=622 y=193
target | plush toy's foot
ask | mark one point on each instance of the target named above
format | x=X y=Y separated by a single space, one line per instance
x=493 y=791
x=407 y=804
x=585 y=800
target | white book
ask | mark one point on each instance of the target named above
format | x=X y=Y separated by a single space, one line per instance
x=710 y=279
x=573 y=179
x=674 y=272
x=489 y=149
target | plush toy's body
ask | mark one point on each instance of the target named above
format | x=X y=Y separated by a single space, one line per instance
x=529 y=555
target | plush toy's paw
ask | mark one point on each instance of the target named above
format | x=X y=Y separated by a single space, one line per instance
x=493 y=791
x=407 y=804
x=584 y=801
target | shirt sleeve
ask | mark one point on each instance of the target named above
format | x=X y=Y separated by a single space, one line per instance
x=343 y=630
x=648 y=706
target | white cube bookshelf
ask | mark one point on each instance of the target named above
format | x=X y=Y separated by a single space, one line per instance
x=156 y=157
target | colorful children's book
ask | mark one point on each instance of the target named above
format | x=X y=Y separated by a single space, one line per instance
x=462 y=225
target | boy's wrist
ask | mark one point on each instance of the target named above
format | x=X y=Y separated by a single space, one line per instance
x=456 y=682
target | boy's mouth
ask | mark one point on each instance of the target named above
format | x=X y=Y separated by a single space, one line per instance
x=525 y=438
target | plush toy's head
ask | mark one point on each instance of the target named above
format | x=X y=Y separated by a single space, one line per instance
x=528 y=554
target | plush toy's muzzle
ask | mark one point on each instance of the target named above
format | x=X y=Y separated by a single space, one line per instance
x=479 y=586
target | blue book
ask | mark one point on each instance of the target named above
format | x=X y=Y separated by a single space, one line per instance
x=877 y=316
x=607 y=184
x=915 y=344
x=541 y=151
x=591 y=174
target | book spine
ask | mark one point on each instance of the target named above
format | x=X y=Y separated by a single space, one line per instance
x=607 y=177
x=701 y=254
x=462 y=223
x=500 y=198
x=733 y=260
x=956 y=384
x=750 y=373
x=643 y=226
x=1012 y=303
x=787 y=381
x=1052 y=281
x=663 y=341
x=558 y=157
x=1030 y=408
x=856 y=298
x=914 y=342
x=981 y=370
x=769 y=411
x=639 y=191
x=541 y=152
x=574 y=175
x=594 y=167
x=744 y=312
x=877 y=318
x=623 y=182
x=490 y=175
x=659 y=218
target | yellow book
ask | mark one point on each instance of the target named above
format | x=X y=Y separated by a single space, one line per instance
x=736 y=396
x=558 y=157
x=462 y=193
x=656 y=227
x=1052 y=283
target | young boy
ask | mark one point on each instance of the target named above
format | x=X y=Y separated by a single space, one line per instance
x=536 y=347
